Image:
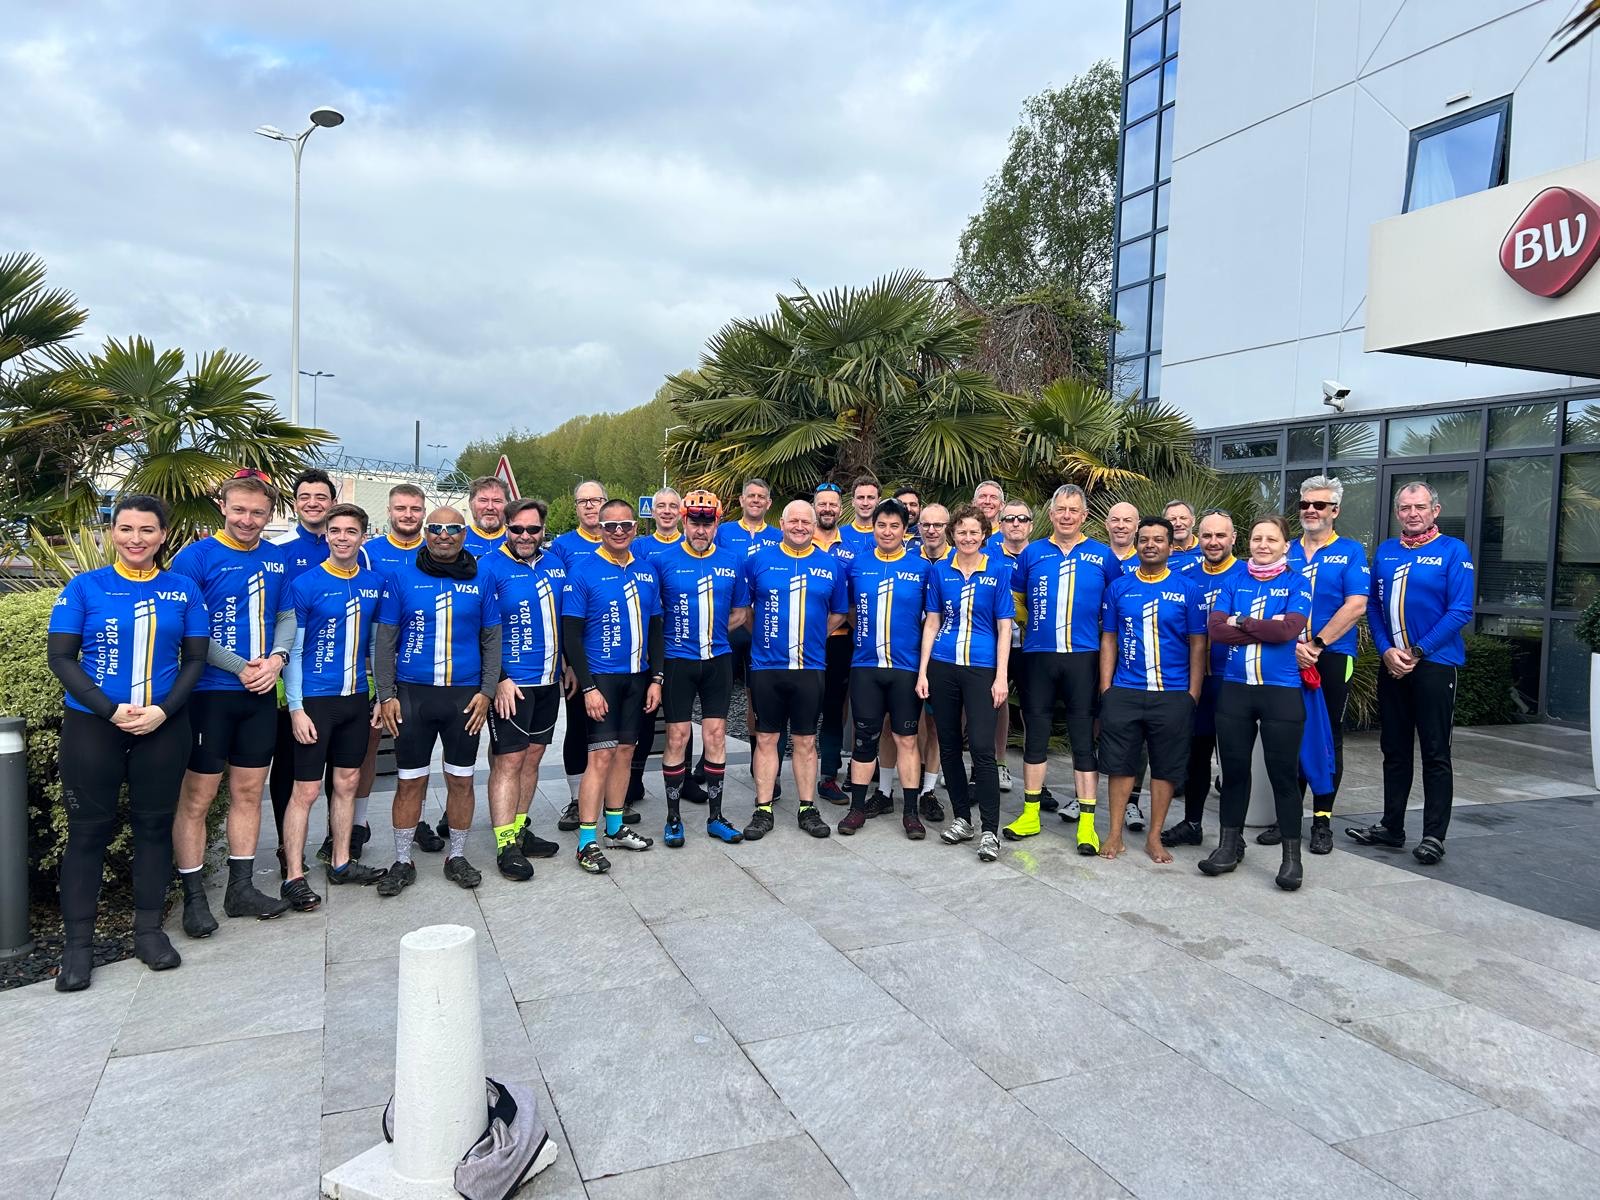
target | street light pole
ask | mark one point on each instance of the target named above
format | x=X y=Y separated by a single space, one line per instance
x=321 y=118
x=314 y=376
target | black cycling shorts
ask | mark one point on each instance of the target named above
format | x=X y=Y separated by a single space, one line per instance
x=739 y=643
x=532 y=723
x=624 y=696
x=344 y=724
x=879 y=692
x=429 y=714
x=237 y=729
x=784 y=698
x=1132 y=721
x=710 y=679
x=1072 y=678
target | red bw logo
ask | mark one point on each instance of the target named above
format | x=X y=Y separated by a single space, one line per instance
x=1553 y=243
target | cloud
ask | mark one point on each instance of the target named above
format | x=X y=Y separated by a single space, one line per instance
x=533 y=211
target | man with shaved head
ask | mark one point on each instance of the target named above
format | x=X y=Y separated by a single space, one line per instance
x=1122 y=520
x=436 y=659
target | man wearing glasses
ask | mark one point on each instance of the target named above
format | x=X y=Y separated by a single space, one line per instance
x=703 y=592
x=436 y=659
x=612 y=636
x=1015 y=528
x=527 y=582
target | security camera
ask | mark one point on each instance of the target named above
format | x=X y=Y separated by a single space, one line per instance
x=1334 y=394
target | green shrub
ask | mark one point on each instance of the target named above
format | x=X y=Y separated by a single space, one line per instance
x=1588 y=628
x=1485 y=694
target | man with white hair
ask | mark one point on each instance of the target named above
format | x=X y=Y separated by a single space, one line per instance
x=988 y=498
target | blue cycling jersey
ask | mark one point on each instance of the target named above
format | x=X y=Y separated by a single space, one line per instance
x=529 y=596
x=481 y=544
x=860 y=541
x=302 y=550
x=440 y=621
x=1272 y=664
x=335 y=611
x=1422 y=598
x=970 y=609
x=653 y=547
x=736 y=535
x=1335 y=572
x=887 y=593
x=1152 y=621
x=1060 y=591
x=1211 y=581
x=616 y=599
x=573 y=545
x=792 y=595
x=132 y=629
x=698 y=594
x=244 y=592
x=384 y=554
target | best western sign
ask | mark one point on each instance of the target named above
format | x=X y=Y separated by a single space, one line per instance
x=1553 y=243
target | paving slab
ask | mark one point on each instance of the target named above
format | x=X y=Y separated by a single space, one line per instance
x=1225 y=1145
x=1481 y=1156
x=349 y=1133
x=696 y=880
x=1318 y=1076
x=364 y=924
x=858 y=1088
x=1106 y=885
x=1324 y=913
x=31 y=1179
x=646 y=1075
x=162 y=1099
x=777 y=1170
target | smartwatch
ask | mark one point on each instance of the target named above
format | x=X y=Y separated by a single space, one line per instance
x=1319 y=643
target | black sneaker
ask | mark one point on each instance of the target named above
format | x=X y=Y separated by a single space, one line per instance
x=811 y=822
x=243 y=899
x=462 y=873
x=513 y=864
x=360 y=835
x=630 y=814
x=357 y=873
x=325 y=851
x=1270 y=836
x=283 y=865
x=1376 y=835
x=569 y=818
x=1047 y=802
x=534 y=846
x=760 y=825
x=932 y=810
x=443 y=829
x=299 y=895
x=879 y=805
x=592 y=860
x=427 y=839
x=693 y=791
x=397 y=878
x=830 y=791
x=1321 y=839
x=1184 y=833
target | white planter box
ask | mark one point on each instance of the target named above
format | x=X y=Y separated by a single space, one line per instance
x=1594 y=717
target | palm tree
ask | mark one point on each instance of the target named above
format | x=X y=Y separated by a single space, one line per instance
x=1078 y=432
x=836 y=383
x=1581 y=24
x=1237 y=494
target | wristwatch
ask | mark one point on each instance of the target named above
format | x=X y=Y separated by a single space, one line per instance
x=658 y=679
x=283 y=654
x=1319 y=643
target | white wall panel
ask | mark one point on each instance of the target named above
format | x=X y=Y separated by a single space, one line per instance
x=1335 y=47
x=1323 y=266
x=1253 y=60
x=1422 y=24
x=1377 y=170
x=1253 y=385
x=1376 y=18
x=1397 y=380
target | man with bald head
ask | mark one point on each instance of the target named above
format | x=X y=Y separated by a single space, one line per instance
x=798 y=596
x=1122 y=522
x=436 y=659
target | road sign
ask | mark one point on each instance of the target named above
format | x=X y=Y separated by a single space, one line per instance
x=503 y=473
x=647 y=508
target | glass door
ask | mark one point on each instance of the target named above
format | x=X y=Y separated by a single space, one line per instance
x=1456 y=483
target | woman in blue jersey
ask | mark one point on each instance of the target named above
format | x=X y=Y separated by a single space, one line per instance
x=128 y=643
x=966 y=652
x=1258 y=615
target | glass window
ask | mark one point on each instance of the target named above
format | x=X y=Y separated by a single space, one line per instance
x=1133 y=314
x=1127 y=377
x=1458 y=156
x=1163 y=203
x=1161 y=253
x=1522 y=426
x=1525 y=636
x=1145 y=11
x=1306 y=443
x=1359 y=510
x=1172 y=33
x=1153 y=388
x=1567 y=690
x=1578 y=533
x=1133 y=261
x=1144 y=95
x=1202 y=450
x=1136 y=216
x=1139 y=155
x=1144 y=49
x=1583 y=423
x=1514 y=539
x=1269 y=490
x=1353 y=439
x=1435 y=433
x=1169 y=81
x=1157 y=309
x=1248 y=448
x=1164 y=166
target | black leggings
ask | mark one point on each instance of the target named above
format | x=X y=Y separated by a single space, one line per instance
x=835 y=691
x=1073 y=679
x=955 y=690
x=1420 y=706
x=1281 y=716
x=97 y=758
x=1334 y=668
x=575 y=742
x=280 y=779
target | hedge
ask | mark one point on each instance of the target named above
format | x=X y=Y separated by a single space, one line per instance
x=1485 y=687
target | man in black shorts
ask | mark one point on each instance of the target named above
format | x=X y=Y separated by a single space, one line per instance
x=436 y=657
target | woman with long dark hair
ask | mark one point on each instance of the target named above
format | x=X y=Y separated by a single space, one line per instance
x=1258 y=615
x=128 y=643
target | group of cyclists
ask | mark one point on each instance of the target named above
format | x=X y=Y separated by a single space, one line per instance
x=281 y=664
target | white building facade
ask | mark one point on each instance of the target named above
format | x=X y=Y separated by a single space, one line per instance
x=1334 y=181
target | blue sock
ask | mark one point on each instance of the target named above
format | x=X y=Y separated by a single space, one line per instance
x=613 y=822
x=585 y=836
x=341 y=869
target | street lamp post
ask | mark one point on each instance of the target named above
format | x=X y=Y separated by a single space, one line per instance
x=321 y=118
x=314 y=376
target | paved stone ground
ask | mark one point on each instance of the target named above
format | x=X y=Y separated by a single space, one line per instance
x=875 y=1017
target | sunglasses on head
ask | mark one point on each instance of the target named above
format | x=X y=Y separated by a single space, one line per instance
x=251 y=473
x=524 y=530
x=830 y=487
x=619 y=526
x=1319 y=505
x=452 y=529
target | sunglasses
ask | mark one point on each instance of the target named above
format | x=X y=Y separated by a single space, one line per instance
x=1015 y=519
x=700 y=517
x=524 y=530
x=619 y=526
x=829 y=487
x=251 y=473
x=453 y=529
x=1319 y=505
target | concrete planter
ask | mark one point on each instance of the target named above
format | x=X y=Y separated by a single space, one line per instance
x=1594 y=717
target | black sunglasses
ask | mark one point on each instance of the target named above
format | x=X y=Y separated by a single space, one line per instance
x=1319 y=505
x=524 y=530
x=451 y=530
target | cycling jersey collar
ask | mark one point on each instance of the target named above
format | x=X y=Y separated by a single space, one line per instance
x=860 y=528
x=793 y=553
x=895 y=557
x=605 y=553
x=955 y=561
x=137 y=576
x=826 y=543
x=505 y=548
x=752 y=528
x=389 y=537
x=1218 y=570
x=222 y=536
x=338 y=572
x=473 y=525
x=587 y=536
x=301 y=531
x=1143 y=578
x=1076 y=542
x=692 y=553
x=668 y=541
x=1132 y=550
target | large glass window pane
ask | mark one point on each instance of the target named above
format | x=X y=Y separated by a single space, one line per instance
x=1172 y=33
x=1139 y=155
x=1144 y=49
x=1133 y=314
x=1566 y=696
x=1127 y=377
x=1583 y=423
x=1435 y=433
x=1269 y=491
x=1157 y=312
x=1164 y=166
x=1359 y=510
x=1163 y=204
x=1525 y=636
x=1458 y=159
x=1578 y=533
x=1133 y=262
x=1514 y=542
x=1522 y=426
x=1161 y=253
x=1353 y=439
x=1246 y=449
x=1169 y=81
x=1153 y=388
x=1136 y=216
x=1145 y=11
x=1144 y=95
x=1306 y=443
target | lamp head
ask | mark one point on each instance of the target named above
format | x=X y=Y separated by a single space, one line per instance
x=327 y=118
x=272 y=131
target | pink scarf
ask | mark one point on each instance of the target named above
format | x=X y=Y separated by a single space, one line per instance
x=1271 y=571
x=1422 y=539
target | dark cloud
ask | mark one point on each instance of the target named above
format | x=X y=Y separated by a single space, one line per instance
x=534 y=211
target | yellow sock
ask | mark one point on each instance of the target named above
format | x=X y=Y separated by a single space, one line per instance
x=504 y=835
x=519 y=822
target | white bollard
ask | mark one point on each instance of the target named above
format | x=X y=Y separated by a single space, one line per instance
x=439 y=1104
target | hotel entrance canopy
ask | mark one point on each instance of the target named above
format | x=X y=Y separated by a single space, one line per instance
x=1502 y=277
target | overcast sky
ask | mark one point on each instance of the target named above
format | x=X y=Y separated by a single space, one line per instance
x=534 y=210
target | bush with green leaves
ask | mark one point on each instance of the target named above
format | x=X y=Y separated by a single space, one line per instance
x=1588 y=628
x=1485 y=687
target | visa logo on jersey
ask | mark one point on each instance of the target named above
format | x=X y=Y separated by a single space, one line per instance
x=1552 y=245
x=1430 y=561
x=1175 y=597
x=723 y=572
x=368 y=593
x=172 y=595
x=275 y=567
x=908 y=576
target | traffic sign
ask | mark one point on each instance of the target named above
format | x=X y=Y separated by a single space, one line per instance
x=503 y=473
x=647 y=508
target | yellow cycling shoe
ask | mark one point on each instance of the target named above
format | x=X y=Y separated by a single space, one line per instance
x=1027 y=825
